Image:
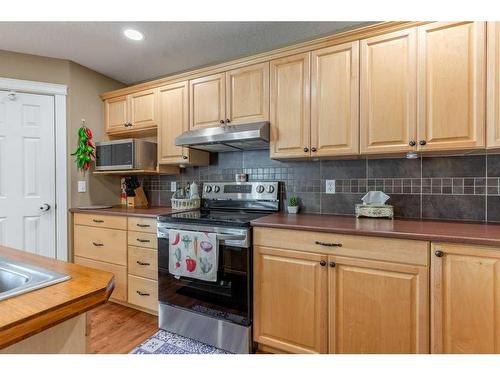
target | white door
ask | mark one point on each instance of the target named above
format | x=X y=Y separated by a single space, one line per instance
x=27 y=173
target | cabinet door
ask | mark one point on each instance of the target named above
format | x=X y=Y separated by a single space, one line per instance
x=335 y=100
x=290 y=300
x=247 y=94
x=207 y=98
x=388 y=92
x=290 y=106
x=493 y=89
x=377 y=307
x=174 y=120
x=465 y=303
x=451 y=85
x=143 y=109
x=115 y=114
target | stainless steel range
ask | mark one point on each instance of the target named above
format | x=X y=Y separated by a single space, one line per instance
x=217 y=312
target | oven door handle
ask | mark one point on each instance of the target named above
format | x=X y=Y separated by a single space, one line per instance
x=220 y=237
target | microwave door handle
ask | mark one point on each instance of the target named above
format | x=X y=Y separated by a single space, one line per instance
x=228 y=237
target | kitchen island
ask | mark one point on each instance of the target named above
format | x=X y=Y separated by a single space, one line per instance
x=52 y=319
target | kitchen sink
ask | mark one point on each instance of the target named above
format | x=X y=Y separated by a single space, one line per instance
x=18 y=278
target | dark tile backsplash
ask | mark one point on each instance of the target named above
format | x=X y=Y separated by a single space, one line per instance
x=450 y=188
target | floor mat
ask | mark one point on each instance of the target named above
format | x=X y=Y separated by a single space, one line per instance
x=163 y=342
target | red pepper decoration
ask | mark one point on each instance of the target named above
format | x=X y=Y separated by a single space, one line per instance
x=85 y=152
x=190 y=264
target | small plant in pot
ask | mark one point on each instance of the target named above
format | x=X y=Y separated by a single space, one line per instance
x=293 y=205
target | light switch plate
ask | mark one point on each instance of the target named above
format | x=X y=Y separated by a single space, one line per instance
x=173 y=186
x=82 y=186
x=330 y=187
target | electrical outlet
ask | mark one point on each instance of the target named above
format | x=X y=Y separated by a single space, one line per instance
x=173 y=186
x=330 y=187
x=82 y=186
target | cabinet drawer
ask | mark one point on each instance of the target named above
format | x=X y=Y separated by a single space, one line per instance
x=365 y=247
x=143 y=292
x=106 y=245
x=143 y=262
x=142 y=239
x=103 y=221
x=120 y=272
x=142 y=224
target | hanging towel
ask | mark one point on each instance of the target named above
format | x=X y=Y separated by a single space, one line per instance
x=193 y=254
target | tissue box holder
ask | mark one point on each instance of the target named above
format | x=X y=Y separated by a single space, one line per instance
x=374 y=210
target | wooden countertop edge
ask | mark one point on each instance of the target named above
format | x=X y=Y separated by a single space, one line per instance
x=110 y=212
x=32 y=325
x=381 y=233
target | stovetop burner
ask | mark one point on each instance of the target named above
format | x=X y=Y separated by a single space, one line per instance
x=214 y=217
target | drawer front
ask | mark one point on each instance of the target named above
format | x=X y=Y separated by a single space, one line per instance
x=142 y=224
x=143 y=292
x=120 y=272
x=143 y=239
x=105 y=245
x=143 y=262
x=366 y=247
x=102 y=221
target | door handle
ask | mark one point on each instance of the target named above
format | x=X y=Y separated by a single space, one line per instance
x=44 y=207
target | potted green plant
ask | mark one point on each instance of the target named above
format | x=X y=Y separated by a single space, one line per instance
x=293 y=205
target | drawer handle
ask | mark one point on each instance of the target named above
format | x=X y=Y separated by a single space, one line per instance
x=143 y=225
x=141 y=240
x=143 y=263
x=329 y=244
x=98 y=244
x=98 y=221
x=142 y=294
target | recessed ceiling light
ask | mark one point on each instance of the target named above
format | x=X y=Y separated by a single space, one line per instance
x=133 y=34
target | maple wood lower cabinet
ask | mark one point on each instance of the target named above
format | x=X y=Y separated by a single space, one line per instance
x=377 y=307
x=312 y=298
x=290 y=300
x=465 y=303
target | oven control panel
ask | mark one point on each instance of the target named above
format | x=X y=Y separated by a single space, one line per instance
x=265 y=190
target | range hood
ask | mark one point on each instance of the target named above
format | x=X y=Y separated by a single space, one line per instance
x=254 y=136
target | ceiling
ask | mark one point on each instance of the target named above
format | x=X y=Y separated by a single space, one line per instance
x=168 y=47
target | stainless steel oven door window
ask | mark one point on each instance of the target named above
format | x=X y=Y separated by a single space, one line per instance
x=228 y=298
x=115 y=155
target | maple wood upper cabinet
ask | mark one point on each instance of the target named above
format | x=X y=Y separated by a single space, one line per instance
x=377 y=307
x=290 y=106
x=173 y=121
x=290 y=300
x=451 y=86
x=247 y=94
x=465 y=299
x=388 y=92
x=207 y=106
x=493 y=86
x=133 y=112
x=335 y=100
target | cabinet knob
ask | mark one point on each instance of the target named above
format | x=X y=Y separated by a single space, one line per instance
x=228 y=121
x=313 y=149
x=423 y=142
x=222 y=121
x=184 y=157
x=322 y=263
x=306 y=149
x=439 y=253
x=412 y=143
x=333 y=264
x=142 y=294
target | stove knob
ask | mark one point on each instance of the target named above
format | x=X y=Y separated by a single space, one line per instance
x=270 y=189
x=208 y=189
x=216 y=189
x=260 y=189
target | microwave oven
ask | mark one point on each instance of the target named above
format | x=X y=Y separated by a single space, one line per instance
x=125 y=154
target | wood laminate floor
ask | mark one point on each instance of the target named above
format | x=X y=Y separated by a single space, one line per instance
x=117 y=329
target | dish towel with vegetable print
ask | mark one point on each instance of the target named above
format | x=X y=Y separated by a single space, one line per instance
x=193 y=254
